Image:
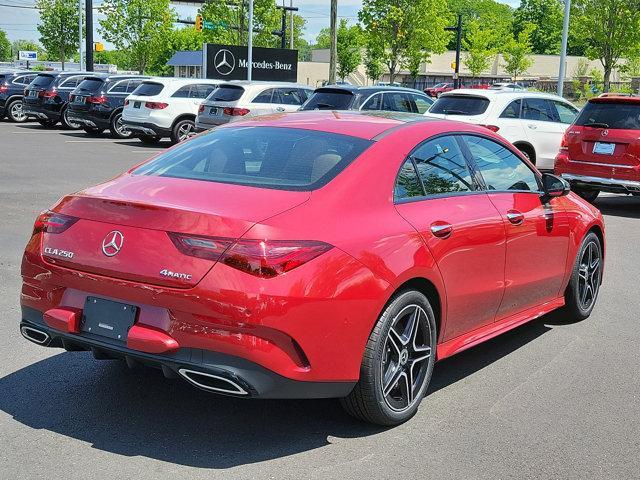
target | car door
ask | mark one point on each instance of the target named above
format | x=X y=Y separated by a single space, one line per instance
x=543 y=131
x=460 y=226
x=185 y=100
x=511 y=126
x=262 y=102
x=287 y=99
x=537 y=230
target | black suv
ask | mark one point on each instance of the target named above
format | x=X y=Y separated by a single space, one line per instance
x=98 y=100
x=350 y=97
x=47 y=96
x=12 y=85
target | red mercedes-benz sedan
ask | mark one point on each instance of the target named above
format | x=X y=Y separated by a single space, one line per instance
x=314 y=254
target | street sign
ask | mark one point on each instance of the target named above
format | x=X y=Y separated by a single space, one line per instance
x=229 y=62
x=27 y=55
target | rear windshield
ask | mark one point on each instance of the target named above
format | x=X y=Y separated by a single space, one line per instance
x=329 y=100
x=148 y=89
x=42 y=81
x=90 y=84
x=610 y=115
x=269 y=157
x=226 y=93
x=460 y=105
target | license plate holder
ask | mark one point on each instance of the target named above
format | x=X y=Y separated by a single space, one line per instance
x=214 y=111
x=604 y=148
x=108 y=318
x=32 y=94
x=136 y=104
x=80 y=100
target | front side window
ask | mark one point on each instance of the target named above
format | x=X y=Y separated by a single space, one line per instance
x=537 y=109
x=501 y=169
x=442 y=167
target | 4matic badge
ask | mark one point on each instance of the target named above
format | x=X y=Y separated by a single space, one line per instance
x=180 y=276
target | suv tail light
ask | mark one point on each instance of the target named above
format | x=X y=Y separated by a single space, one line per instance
x=51 y=222
x=48 y=93
x=564 y=143
x=201 y=108
x=126 y=102
x=235 y=112
x=4 y=88
x=493 y=128
x=156 y=105
x=99 y=100
x=260 y=258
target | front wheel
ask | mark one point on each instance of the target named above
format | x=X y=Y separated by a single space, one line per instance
x=397 y=363
x=589 y=195
x=582 y=291
x=15 y=113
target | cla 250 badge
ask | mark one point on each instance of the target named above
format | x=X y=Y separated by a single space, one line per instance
x=56 y=252
x=180 y=276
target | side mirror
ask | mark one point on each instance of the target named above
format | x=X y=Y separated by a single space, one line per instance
x=554 y=186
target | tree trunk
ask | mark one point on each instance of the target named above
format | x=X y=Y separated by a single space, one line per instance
x=607 y=78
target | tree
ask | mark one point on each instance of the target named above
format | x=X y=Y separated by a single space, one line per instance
x=478 y=44
x=179 y=39
x=5 y=47
x=349 y=47
x=494 y=18
x=372 y=64
x=547 y=17
x=517 y=53
x=26 y=45
x=58 y=27
x=404 y=32
x=138 y=27
x=610 y=30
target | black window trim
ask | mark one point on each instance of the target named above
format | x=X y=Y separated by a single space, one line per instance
x=118 y=82
x=362 y=104
x=519 y=117
x=68 y=78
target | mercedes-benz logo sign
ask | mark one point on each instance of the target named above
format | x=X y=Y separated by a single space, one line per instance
x=112 y=243
x=224 y=62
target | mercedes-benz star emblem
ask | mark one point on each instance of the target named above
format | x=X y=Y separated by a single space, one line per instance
x=605 y=133
x=112 y=243
x=224 y=62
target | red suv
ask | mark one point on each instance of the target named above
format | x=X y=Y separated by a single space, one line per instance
x=601 y=150
x=438 y=89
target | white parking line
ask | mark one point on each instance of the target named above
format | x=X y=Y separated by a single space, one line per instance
x=105 y=140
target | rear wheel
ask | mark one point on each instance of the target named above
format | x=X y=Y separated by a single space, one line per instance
x=528 y=152
x=67 y=123
x=149 y=139
x=589 y=195
x=397 y=363
x=14 y=111
x=582 y=291
x=182 y=130
x=117 y=128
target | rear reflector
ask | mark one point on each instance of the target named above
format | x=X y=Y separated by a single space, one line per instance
x=51 y=222
x=235 y=112
x=261 y=258
x=156 y=105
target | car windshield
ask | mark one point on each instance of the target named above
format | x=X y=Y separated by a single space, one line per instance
x=460 y=105
x=610 y=115
x=148 y=89
x=42 y=81
x=226 y=93
x=279 y=158
x=329 y=100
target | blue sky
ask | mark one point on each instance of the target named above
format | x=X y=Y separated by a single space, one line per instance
x=21 y=22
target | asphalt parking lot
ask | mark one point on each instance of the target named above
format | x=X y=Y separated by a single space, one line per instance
x=548 y=400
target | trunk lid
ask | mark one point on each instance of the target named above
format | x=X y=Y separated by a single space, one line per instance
x=604 y=146
x=142 y=209
x=89 y=87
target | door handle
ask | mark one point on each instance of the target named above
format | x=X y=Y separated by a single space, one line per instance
x=441 y=229
x=515 y=217
x=531 y=126
x=279 y=109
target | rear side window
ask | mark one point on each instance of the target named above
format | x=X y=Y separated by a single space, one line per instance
x=42 y=81
x=91 y=84
x=184 y=92
x=132 y=85
x=396 y=102
x=148 y=89
x=270 y=157
x=537 y=109
x=610 y=115
x=329 y=100
x=119 y=86
x=460 y=105
x=226 y=93
x=205 y=89
x=264 y=96
x=70 y=82
x=408 y=184
x=512 y=110
x=287 y=96
x=373 y=103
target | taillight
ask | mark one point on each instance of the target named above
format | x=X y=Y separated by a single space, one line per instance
x=564 y=143
x=235 y=112
x=261 y=258
x=4 y=88
x=100 y=100
x=126 y=102
x=201 y=109
x=156 y=105
x=51 y=222
x=493 y=128
x=48 y=93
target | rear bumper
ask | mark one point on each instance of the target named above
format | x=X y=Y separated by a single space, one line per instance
x=42 y=112
x=604 y=184
x=90 y=119
x=210 y=371
x=145 y=128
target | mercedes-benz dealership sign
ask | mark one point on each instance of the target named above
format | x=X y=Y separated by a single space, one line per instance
x=229 y=62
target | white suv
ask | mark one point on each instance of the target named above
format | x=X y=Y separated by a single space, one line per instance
x=533 y=122
x=165 y=107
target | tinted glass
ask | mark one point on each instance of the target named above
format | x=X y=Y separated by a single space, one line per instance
x=408 y=184
x=512 y=110
x=329 y=100
x=287 y=96
x=42 y=81
x=373 y=103
x=442 y=167
x=18 y=80
x=226 y=93
x=119 y=86
x=564 y=112
x=182 y=92
x=500 y=168
x=148 y=89
x=397 y=102
x=205 y=89
x=422 y=103
x=460 y=105
x=305 y=94
x=90 y=84
x=132 y=85
x=281 y=158
x=70 y=82
x=264 y=96
x=537 y=109
x=611 y=115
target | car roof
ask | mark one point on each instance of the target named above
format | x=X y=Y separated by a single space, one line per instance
x=494 y=95
x=180 y=81
x=261 y=83
x=615 y=98
x=117 y=76
x=368 y=89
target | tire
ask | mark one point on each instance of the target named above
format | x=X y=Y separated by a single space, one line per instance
x=149 y=140
x=92 y=130
x=47 y=123
x=528 y=152
x=582 y=291
x=403 y=358
x=66 y=123
x=14 y=111
x=589 y=195
x=117 y=129
x=182 y=130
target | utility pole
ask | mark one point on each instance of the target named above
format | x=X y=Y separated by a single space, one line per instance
x=89 y=35
x=563 y=48
x=458 y=30
x=333 y=53
x=80 y=37
x=291 y=25
x=250 y=42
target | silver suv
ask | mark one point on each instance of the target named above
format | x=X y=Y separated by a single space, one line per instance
x=240 y=99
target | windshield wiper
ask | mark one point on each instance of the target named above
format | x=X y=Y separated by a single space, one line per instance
x=596 y=125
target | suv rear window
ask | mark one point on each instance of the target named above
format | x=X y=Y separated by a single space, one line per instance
x=610 y=115
x=148 y=89
x=460 y=105
x=226 y=93
x=330 y=99
x=43 y=81
x=90 y=84
x=269 y=157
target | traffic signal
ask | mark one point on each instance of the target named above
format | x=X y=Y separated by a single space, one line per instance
x=99 y=47
x=198 y=23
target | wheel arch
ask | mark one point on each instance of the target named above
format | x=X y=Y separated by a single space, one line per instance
x=184 y=116
x=528 y=146
x=597 y=229
x=115 y=112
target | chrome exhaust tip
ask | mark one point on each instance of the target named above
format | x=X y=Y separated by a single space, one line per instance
x=35 y=335
x=210 y=382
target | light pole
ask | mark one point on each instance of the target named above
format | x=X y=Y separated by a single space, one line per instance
x=458 y=30
x=80 y=12
x=89 y=34
x=333 y=52
x=250 y=42
x=563 y=48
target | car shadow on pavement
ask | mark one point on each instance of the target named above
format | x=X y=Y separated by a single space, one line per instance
x=619 y=206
